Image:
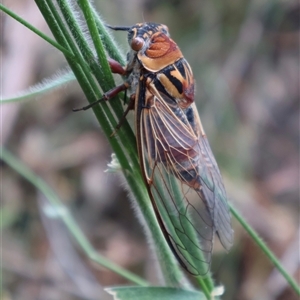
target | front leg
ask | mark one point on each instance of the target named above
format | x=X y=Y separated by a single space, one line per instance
x=106 y=96
x=116 y=67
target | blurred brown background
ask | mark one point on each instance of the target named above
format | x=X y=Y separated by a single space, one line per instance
x=245 y=58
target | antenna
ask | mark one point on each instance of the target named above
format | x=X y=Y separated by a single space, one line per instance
x=122 y=28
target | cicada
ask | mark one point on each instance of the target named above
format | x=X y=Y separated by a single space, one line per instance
x=178 y=167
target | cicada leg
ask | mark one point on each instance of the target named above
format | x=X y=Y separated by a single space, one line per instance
x=117 y=69
x=107 y=96
x=129 y=107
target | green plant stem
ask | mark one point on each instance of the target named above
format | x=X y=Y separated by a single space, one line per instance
x=67 y=218
x=105 y=80
x=265 y=249
x=102 y=74
x=76 y=31
x=108 y=41
x=77 y=69
x=105 y=69
x=64 y=37
x=82 y=73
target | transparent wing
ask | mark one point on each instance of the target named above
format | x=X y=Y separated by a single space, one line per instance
x=184 y=182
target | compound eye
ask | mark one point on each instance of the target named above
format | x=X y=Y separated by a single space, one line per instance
x=137 y=44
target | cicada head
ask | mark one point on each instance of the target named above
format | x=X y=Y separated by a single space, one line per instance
x=152 y=44
x=141 y=33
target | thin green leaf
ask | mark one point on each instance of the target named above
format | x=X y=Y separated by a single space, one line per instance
x=106 y=37
x=150 y=293
x=262 y=245
x=48 y=85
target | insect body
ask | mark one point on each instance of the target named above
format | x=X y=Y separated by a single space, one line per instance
x=182 y=177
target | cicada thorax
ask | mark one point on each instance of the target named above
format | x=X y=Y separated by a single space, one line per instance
x=176 y=81
x=155 y=55
x=158 y=52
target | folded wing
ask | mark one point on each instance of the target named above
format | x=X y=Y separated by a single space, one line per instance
x=185 y=183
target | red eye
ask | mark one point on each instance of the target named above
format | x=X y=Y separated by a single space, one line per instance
x=137 y=43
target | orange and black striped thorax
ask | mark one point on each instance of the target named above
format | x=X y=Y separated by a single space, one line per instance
x=176 y=81
x=156 y=56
